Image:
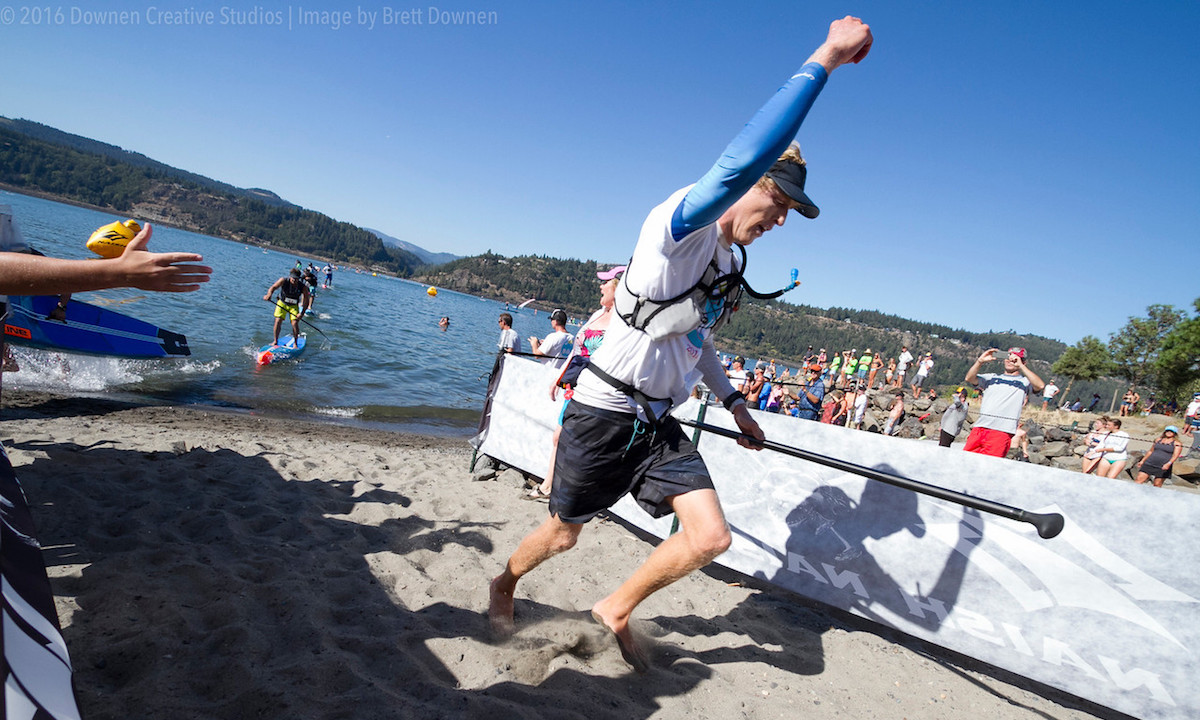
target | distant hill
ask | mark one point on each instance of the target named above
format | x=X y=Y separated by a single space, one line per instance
x=54 y=136
x=429 y=258
x=554 y=283
x=41 y=160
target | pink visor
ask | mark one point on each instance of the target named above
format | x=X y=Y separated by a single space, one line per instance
x=610 y=274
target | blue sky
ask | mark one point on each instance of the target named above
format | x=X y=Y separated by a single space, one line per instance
x=1029 y=165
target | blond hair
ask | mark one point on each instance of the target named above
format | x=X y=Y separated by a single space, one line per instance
x=792 y=154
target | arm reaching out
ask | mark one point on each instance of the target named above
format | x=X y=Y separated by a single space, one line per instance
x=767 y=135
x=22 y=274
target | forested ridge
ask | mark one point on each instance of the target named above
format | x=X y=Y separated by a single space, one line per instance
x=567 y=284
x=76 y=169
x=769 y=330
x=54 y=136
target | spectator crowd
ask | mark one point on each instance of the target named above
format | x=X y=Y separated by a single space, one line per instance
x=839 y=388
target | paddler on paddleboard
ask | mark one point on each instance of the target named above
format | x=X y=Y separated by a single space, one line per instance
x=681 y=284
x=294 y=301
x=310 y=277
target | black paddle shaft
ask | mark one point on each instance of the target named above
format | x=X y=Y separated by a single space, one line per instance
x=1048 y=524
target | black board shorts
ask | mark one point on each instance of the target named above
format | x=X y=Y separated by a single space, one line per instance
x=604 y=454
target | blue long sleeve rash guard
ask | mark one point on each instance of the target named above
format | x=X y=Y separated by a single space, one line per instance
x=752 y=152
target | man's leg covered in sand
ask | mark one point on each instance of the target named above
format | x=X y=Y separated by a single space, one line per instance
x=703 y=535
x=550 y=538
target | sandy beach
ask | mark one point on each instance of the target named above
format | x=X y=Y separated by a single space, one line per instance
x=218 y=565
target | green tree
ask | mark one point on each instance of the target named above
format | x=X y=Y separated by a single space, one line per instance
x=1135 y=347
x=1087 y=359
x=1177 y=367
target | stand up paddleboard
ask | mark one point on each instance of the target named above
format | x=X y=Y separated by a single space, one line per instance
x=271 y=352
x=87 y=329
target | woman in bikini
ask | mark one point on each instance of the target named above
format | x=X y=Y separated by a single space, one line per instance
x=1112 y=462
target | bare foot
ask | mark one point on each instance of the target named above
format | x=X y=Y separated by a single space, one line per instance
x=500 y=610
x=630 y=650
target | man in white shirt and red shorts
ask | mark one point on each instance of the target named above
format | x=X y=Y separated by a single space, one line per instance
x=1004 y=396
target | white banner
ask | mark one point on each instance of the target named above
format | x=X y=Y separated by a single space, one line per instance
x=1106 y=610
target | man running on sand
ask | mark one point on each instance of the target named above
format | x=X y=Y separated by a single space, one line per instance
x=617 y=436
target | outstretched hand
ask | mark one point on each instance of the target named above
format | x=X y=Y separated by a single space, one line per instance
x=161 y=272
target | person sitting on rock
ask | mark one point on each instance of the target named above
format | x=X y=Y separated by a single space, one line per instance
x=895 y=415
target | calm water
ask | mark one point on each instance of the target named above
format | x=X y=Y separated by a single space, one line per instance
x=386 y=362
